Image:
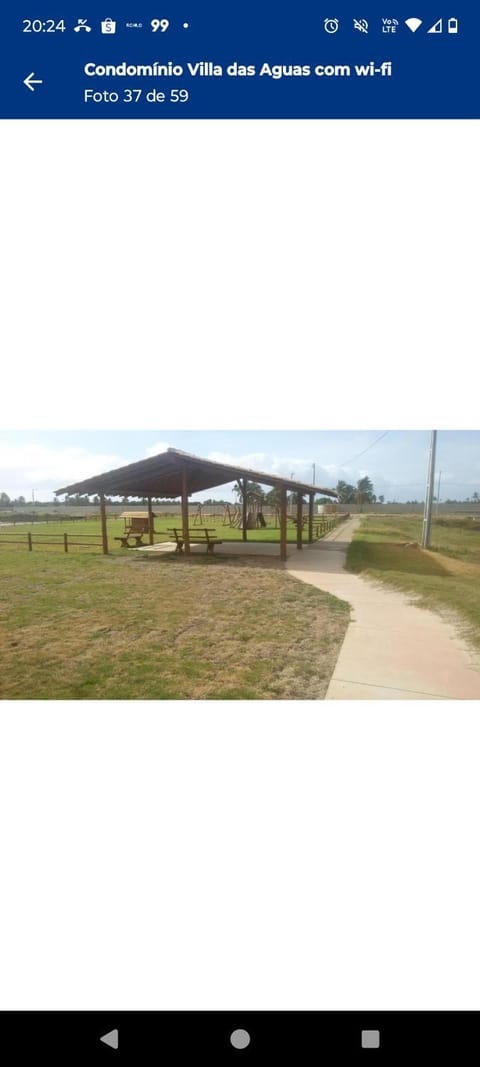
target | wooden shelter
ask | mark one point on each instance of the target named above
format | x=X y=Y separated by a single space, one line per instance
x=174 y=474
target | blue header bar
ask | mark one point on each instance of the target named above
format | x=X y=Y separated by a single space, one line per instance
x=197 y=59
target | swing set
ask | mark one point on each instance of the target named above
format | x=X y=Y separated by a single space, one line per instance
x=232 y=516
x=198 y=519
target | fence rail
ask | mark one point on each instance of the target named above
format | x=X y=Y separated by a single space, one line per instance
x=321 y=526
x=27 y=518
x=62 y=541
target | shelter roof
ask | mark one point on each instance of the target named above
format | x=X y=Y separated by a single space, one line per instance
x=162 y=476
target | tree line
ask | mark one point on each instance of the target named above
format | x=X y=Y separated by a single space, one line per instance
x=361 y=493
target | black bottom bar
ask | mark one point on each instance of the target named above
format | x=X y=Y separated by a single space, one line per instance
x=247 y=1037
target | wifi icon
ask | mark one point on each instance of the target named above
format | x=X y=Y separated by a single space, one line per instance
x=413 y=24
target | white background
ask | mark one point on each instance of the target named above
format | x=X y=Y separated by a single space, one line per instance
x=238 y=275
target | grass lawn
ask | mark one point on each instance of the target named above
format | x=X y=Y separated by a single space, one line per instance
x=42 y=531
x=140 y=626
x=445 y=578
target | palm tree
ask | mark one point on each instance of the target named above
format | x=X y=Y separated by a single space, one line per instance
x=346 y=493
x=273 y=497
x=255 y=493
x=365 y=492
x=254 y=500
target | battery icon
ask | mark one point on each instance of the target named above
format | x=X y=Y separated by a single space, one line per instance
x=453 y=25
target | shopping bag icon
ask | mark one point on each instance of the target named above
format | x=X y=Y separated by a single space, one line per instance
x=109 y=26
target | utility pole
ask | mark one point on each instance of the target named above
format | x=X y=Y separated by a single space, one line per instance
x=427 y=515
x=438 y=490
x=313 y=469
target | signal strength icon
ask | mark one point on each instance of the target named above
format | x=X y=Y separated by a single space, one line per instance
x=413 y=24
x=437 y=27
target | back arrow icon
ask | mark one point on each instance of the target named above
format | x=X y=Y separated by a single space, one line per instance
x=31 y=80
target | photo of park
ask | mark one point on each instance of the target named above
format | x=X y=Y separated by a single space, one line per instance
x=247 y=573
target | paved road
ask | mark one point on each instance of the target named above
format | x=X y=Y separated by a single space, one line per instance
x=392 y=649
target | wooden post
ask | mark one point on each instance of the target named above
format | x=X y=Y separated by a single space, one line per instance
x=186 y=535
x=29 y=539
x=244 y=510
x=103 y=520
x=283 y=523
x=299 y=521
x=150 y=520
x=65 y=542
x=311 y=498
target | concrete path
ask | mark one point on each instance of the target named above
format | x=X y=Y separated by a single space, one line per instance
x=392 y=649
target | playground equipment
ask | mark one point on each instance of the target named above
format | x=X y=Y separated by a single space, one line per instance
x=136 y=525
x=255 y=519
x=198 y=516
x=136 y=519
x=232 y=516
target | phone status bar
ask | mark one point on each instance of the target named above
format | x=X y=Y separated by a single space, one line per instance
x=108 y=26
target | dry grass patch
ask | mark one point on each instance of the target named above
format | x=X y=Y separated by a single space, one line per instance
x=446 y=578
x=159 y=627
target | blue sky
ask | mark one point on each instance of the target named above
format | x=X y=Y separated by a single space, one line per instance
x=42 y=461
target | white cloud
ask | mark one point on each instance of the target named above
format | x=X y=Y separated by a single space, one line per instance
x=269 y=463
x=42 y=468
x=157 y=448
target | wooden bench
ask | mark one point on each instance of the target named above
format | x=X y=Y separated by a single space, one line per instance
x=196 y=538
x=135 y=528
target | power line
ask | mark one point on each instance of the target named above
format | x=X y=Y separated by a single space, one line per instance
x=365 y=449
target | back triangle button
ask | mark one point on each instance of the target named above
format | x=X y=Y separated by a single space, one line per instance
x=110 y=1039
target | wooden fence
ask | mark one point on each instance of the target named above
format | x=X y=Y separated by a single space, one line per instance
x=321 y=526
x=64 y=541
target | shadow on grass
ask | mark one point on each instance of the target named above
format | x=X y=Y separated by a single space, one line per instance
x=381 y=556
x=206 y=560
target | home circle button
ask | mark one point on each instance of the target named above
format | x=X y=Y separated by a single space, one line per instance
x=240 y=1038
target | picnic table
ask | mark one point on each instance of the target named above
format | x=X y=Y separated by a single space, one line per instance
x=197 y=536
x=135 y=528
